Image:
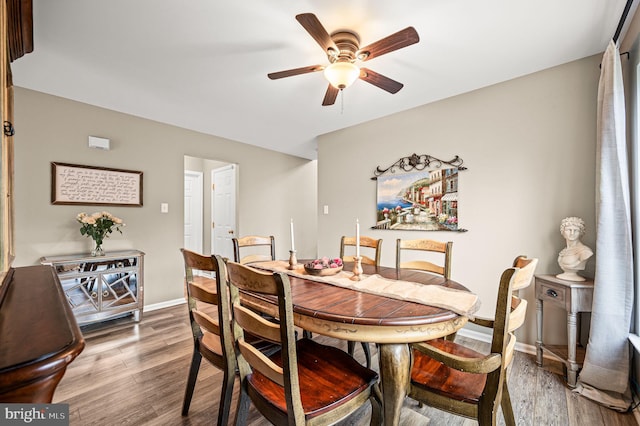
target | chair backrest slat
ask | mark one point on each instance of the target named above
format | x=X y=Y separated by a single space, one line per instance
x=206 y=322
x=525 y=277
x=200 y=292
x=261 y=363
x=423 y=265
x=427 y=245
x=197 y=261
x=259 y=326
x=518 y=313
x=249 y=279
x=509 y=350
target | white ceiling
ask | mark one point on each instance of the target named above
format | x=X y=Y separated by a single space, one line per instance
x=203 y=64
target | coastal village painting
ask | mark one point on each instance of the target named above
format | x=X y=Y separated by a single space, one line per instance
x=422 y=201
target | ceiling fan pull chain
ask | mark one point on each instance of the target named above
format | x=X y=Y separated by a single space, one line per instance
x=341 y=101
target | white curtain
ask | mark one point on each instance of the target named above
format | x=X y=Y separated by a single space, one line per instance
x=605 y=375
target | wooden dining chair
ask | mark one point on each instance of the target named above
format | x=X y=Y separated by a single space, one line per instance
x=256 y=246
x=453 y=378
x=372 y=245
x=210 y=323
x=305 y=382
x=427 y=246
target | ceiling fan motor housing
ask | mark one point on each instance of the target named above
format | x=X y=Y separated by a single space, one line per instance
x=348 y=44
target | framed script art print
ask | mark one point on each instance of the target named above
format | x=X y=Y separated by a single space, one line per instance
x=423 y=196
x=95 y=186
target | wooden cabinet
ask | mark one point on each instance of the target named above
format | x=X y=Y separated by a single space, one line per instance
x=101 y=287
x=575 y=298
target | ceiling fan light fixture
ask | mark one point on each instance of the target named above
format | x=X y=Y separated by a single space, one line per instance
x=341 y=74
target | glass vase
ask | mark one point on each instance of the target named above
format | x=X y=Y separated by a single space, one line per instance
x=97 y=251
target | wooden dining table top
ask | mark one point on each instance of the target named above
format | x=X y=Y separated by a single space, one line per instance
x=333 y=303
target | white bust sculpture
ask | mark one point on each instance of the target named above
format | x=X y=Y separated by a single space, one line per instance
x=573 y=258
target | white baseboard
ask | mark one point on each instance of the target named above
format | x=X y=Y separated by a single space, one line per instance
x=484 y=337
x=167 y=304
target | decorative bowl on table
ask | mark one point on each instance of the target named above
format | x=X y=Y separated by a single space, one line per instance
x=324 y=266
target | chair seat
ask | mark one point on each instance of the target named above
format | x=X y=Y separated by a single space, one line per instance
x=431 y=375
x=328 y=378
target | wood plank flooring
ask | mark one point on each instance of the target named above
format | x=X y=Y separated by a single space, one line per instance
x=135 y=373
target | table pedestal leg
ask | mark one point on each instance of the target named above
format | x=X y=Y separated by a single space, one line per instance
x=394 y=377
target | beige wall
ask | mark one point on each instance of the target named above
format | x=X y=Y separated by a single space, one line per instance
x=529 y=145
x=50 y=129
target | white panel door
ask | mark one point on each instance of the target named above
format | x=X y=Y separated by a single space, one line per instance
x=193 y=211
x=224 y=210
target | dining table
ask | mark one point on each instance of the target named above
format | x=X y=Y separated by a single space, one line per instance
x=392 y=322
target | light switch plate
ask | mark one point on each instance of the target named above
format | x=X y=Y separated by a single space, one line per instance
x=164 y=208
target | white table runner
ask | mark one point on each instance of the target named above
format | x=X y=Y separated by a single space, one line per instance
x=459 y=301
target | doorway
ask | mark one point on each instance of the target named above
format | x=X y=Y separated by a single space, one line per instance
x=206 y=204
x=193 y=212
x=223 y=206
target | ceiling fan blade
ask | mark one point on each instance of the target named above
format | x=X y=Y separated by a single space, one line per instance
x=402 y=38
x=379 y=80
x=313 y=26
x=330 y=96
x=295 y=71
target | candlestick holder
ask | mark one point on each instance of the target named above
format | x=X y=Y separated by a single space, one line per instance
x=293 y=261
x=357 y=268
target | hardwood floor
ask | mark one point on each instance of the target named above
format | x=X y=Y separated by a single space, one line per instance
x=135 y=374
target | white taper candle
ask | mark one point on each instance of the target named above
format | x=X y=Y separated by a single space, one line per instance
x=357 y=238
x=293 y=246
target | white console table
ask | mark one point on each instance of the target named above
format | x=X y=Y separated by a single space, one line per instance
x=575 y=297
x=101 y=287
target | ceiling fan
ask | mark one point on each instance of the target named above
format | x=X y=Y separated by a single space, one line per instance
x=343 y=50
